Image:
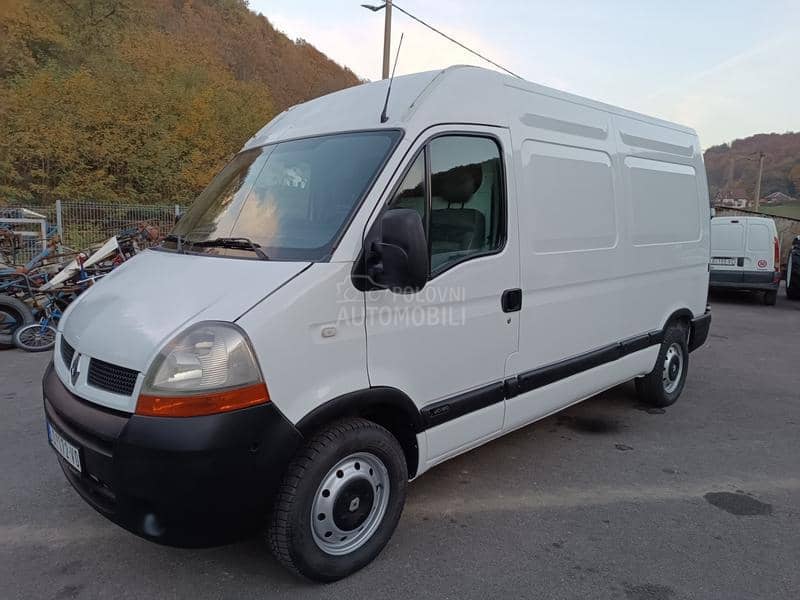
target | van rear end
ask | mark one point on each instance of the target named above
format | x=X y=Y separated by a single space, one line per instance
x=745 y=254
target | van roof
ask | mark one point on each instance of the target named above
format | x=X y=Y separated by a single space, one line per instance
x=459 y=94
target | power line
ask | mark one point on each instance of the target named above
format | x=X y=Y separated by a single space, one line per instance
x=444 y=35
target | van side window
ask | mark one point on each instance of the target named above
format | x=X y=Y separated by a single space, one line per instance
x=467 y=200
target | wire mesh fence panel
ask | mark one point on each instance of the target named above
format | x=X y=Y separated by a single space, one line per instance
x=84 y=223
x=26 y=227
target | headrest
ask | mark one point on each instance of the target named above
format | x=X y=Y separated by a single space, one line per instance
x=458 y=184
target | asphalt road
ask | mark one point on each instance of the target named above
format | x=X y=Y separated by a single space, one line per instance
x=605 y=500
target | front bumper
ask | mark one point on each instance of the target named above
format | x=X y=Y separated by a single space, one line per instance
x=190 y=482
x=699 y=330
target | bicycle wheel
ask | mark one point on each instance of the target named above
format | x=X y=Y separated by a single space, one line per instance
x=35 y=337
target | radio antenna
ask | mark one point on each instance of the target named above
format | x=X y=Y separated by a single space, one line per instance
x=384 y=116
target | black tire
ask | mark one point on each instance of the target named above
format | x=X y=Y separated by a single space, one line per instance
x=653 y=389
x=35 y=337
x=771 y=297
x=14 y=313
x=793 y=276
x=290 y=534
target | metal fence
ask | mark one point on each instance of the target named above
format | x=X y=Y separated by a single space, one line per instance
x=787 y=227
x=79 y=224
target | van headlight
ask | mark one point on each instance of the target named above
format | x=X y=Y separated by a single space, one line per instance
x=209 y=368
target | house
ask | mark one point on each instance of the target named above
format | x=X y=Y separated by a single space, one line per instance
x=730 y=202
x=777 y=198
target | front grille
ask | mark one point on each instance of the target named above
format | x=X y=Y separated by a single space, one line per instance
x=67 y=352
x=111 y=378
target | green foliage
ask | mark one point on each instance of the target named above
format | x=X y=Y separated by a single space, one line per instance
x=140 y=100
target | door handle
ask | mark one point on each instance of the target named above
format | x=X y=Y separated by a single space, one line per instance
x=511 y=300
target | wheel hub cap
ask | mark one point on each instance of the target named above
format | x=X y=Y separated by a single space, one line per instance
x=353 y=505
x=673 y=368
x=350 y=503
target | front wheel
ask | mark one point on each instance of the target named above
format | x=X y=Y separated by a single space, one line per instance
x=340 y=500
x=664 y=384
x=35 y=337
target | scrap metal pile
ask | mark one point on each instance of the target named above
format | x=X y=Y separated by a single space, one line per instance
x=34 y=295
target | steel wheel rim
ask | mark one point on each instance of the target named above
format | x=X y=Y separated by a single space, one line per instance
x=673 y=368
x=37 y=336
x=339 y=503
x=789 y=272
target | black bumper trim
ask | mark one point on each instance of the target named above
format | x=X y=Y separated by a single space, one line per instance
x=699 y=332
x=195 y=481
x=462 y=404
x=744 y=280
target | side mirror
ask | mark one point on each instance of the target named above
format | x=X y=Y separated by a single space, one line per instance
x=399 y=258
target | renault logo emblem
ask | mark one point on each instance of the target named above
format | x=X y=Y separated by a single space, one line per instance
x=354 y=504
x=74 y=371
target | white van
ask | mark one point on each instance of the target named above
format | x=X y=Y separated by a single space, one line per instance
x=745 y=254
x=358 y=297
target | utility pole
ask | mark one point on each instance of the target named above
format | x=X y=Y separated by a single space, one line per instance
x=387 y=38
x=731 y=173
x=757 y=199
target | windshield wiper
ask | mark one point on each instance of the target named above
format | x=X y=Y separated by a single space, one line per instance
x=240 y=243
x=178 y=239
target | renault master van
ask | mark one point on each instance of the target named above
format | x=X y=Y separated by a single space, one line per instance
x=358 y=297
x=745 y=255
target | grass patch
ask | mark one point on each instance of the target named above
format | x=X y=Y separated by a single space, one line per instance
x=787 y=210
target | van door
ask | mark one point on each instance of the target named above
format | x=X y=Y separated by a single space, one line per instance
x=728 y=249
x=760 y=255
x=446 y=346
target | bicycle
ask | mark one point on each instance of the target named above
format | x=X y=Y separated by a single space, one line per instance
x=41 y=336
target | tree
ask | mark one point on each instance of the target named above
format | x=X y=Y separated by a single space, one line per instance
x=140 y=101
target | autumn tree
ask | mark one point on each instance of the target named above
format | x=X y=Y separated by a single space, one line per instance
x=140 y=100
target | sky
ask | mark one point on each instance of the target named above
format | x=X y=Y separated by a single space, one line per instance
x=727 y=68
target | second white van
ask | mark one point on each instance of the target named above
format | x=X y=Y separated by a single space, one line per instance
x=362 y=294
x=745 y=255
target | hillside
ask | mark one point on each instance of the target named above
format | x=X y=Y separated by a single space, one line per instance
x=733 y=169
x=140 y=100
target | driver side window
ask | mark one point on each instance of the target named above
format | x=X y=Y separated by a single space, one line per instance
x=467 y=213
x=456 y=185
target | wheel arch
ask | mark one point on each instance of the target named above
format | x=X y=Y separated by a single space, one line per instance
x=681 y=315
x=386 y=406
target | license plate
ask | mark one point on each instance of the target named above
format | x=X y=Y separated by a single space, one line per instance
x=724 y=262
x=69 y=452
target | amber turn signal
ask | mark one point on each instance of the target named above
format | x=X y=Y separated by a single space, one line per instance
x=202 y=404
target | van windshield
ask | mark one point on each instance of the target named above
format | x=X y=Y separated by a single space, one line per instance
x=291 y=200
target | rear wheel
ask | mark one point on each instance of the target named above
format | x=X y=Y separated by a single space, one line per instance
x=770 y=297
x=340 y=500
x=14 y=314
x=664 y=384
x=35 y=337
x=793 y=277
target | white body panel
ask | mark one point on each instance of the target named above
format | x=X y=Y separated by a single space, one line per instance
x=302 y=367
x=128 y=315
x=607 y=235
